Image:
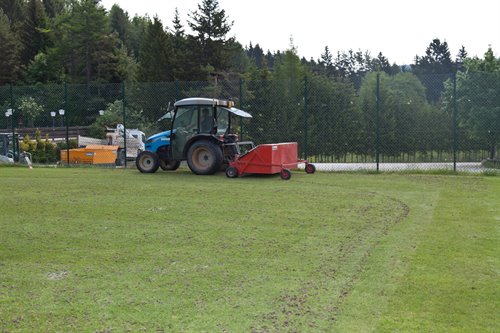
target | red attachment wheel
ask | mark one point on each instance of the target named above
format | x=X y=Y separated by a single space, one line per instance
x=310 y=168
x=285 y=174
x=232 y=172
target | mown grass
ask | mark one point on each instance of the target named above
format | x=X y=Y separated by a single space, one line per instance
x=114 y=250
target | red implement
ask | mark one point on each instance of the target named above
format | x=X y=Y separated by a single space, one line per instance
x=269 y=159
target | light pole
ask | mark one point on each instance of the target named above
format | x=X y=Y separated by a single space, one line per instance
x=8 y=114
x=53 y=115
x=61 y=113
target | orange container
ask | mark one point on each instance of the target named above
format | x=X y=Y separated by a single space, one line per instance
x=91 y=154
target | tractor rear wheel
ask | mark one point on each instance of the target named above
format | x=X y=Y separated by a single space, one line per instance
x=169 y=165
x=147 y=162
x=204 y=157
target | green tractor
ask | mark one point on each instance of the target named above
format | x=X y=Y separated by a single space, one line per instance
x=200 y=133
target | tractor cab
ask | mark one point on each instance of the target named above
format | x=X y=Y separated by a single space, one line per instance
x=201 y=118
x=200 y=133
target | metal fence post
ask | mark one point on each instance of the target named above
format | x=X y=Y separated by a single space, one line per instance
x=454 y=121
x=377 y=140
x=124 y=126
x=241 y=107
x=305 y=115
x=67 y=121
x=176 y=85
x=12 y=121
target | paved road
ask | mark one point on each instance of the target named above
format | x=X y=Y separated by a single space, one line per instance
x=469 y=166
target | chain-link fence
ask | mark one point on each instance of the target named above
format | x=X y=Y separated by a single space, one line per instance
x=378 y=122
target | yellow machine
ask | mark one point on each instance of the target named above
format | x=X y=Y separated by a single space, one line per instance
x=92 y=154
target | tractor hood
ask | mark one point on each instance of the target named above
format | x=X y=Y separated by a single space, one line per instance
x=165 y=135
x=238 y=112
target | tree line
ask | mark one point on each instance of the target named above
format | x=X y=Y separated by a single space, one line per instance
x=328 y=101
x=79 y=41
x=420 y=114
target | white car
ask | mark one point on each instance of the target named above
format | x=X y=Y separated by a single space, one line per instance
x=6 y=159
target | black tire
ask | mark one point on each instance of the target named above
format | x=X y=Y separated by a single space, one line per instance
x=147 y=162
x=120 y=157
x=310 y=168
x=204 y=157
x=285 y=174
x=169 y=165
x=231 y=172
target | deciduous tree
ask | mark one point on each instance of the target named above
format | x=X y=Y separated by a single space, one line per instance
x=478 y=102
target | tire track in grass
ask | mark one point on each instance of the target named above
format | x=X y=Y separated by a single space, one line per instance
x=403 y=211
x=317 y=305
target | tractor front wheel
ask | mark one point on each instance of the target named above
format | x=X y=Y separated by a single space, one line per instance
x=147 y=162
x=204 y=157
x=169 y=165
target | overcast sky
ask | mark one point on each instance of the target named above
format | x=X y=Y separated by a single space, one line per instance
x=398 y=29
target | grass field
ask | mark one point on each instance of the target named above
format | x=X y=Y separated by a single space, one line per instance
x=92 y=250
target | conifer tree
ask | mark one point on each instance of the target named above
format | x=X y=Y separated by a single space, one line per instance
x=437 y=59
x=85 y=44
x=211 y=26
x=434 y=68
x=34 y=31
x=177 y=24
x=13 y=9
x=462 y=55
x=256 y=53
x=138 y=29
x=9 y=52
x=326 y=61
x=53 y=7
x=120 y=24
x=154 y=64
